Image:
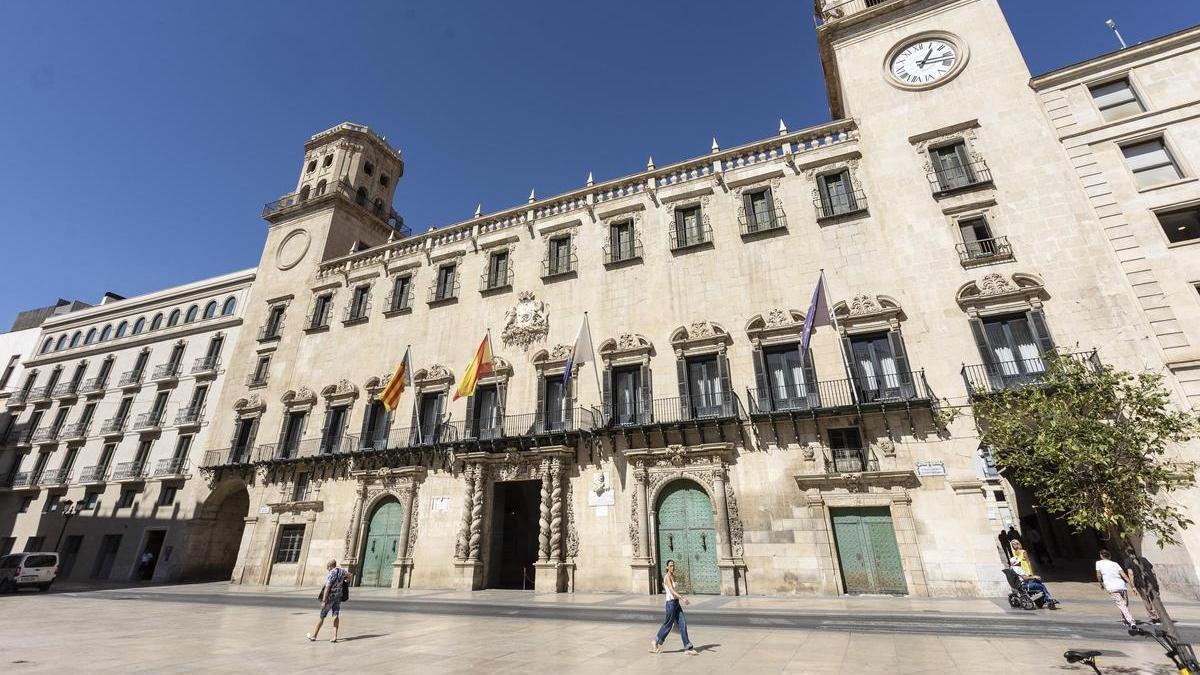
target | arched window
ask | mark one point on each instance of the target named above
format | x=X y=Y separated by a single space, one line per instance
x=140 y=324
x=369 y=169
x=47 y=345
x=157 y=322
x=122 y=328
x=91 y=337
x=360 y=197
x=320 y=188
x=173 y=319
x=304 y=193
x=76 y=338
x=312 y=166
x=106 y=333
x=192 y=313
x=62 y=343
x=210 y=310
x=328 y=160
x=230 y=305
x=378 y=206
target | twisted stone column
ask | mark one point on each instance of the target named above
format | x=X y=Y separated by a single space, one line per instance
x=556 y=508
x=477 y=515
x=461 y=546
x=544 y=516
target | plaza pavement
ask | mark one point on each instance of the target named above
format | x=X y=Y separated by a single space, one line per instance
x=223 y=628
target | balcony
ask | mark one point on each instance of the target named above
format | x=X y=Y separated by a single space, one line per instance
x=443 y=293
x=18 y=398
x=271 y=331
x=75 y=431
x=304 y=449
x=401 y=301
x=148 y=421
x=39 y=394
x=131 y=379
x=830 y=397
x=850 y=460
x=984 y=251
x=92 y=474
x=254 y=380
x=171 y=467
x=45 y=435
x=692 y=409
x=990 y=378
x=557 y=424
x=233 y=456
x=190 y=415
x=948 y=180
x=66 y=390
x=94 y=385
x=761 y=222
x=206 y=366
x=55 y=478
x=167 y=372
x=129 y=471
x=623 y=252
x=113 y=426
x=840 y=204
x=684 y=238
x=560 y=266
x=18 y=434
x=496 y=280
x=318 y=319
x=435 y=435
x=24 y=480
x=340 y=189
x=357 y=312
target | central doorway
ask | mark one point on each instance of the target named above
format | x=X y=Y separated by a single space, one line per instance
x=514 y=542
x=687 y=535
x=382 y=544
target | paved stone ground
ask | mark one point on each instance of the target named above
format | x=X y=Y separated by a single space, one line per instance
x=221 y=628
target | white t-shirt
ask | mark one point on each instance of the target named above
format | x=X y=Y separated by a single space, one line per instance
x=1110 y=572
x=670 y=587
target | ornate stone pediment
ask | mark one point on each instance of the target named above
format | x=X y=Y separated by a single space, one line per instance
x=699 y=335
x=996 y=290
x=626 y=345
x=555 y=356
x=342 y=390
x=375 y=385
x=865 y=481
x=298 y=397
x=252 y=403
x=526 y=323
x=776 y=323
x=433 y=376
x=868 y=312
x=296 y=507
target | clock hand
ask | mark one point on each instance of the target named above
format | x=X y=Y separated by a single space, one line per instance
x=921 y=64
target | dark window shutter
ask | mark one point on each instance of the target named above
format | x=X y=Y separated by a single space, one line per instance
x=646 y=399
x=414 y=431
x=606 y=391
x=326 y=431
x=441 y=405
x=748 y=207
x=726 y=400
x=1037 y=322
x=900 y=355
x=368 y=413
x=685 y=399
x=501 y=398
x=981 y=342
x=470 y=418
x=810 y=379
x=541 y=403
x=856 y=379
x=762 y=398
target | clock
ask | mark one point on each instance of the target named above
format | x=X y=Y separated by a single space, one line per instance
x=925 y=61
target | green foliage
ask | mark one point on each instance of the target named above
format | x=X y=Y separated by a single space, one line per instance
x=1091 y=443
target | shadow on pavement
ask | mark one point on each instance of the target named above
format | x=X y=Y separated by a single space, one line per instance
x=363 y=637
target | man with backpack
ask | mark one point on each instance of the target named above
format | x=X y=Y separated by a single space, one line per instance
x=335 y=590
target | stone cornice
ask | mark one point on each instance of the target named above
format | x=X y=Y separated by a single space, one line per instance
x=1187 y=39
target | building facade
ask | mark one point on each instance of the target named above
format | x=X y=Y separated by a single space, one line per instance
x=701 y=431
x=111 y=407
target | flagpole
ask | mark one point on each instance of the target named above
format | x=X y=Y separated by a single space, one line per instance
x=592 y=358
x=841 y=343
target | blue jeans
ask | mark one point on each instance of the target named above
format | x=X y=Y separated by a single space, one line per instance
x=1038 y=586
x=674 y=615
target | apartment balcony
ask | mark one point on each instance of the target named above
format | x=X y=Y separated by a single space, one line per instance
x=131 y=379
x=623 y=252
x=338 y=190
x=304 y=449
x=948 y=180
x=531 y=429
x=129 y=471
x=91 y=475
x=761 y=222
x=45 y=435
x=17 y=399
x=232 y=456
x=189 y=416
x=113 y=426
x=93 y=385
x=399 y=302
x=206 y=366
x=850 y=460
x=984 y=251
x=894 y=391
x=443 y=293
x=39 y=394
x=562 y=266
x=25 y=480
x=76 y=431
x=19 y=435
x=165 y=373
x=149 y=421
x=55 y=478
x=689 y=411
x=684 y=238
x=66 y=390
x=984 y=379
x=839 y=205
x=496 y=280
x=171 y=467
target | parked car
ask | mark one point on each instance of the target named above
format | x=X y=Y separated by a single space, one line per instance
x=37 y=570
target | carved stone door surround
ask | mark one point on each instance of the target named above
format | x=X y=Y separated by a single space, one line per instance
x=653 y=469
x=374 y=486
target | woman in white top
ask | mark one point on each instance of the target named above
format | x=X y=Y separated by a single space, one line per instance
x=1115 y=580
x=674 y=614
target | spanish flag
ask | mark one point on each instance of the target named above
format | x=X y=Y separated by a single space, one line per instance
x=391 y=395
x=479 y=366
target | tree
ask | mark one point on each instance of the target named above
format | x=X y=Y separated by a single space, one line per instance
x=1093 y=446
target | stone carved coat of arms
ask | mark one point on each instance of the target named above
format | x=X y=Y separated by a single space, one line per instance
x=526 y=323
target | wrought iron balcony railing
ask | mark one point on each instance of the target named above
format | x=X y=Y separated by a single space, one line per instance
x=206 y=365
x=55 y=477
x=402 y=301
x=318 y=318
x=720 y=406
x=113 y=425
x=189 y=415
x=130 y=378
x=850 y=460
x=18 y=434
x=839 y=204
x=357 y=312
x=556 y=422
x=984 y=250
x=439 y=292
x=74 y=431
x=557 y=266
x=257 y=379
x=688 y=237
x=93 y=474
x=171 y=466
x=66 y=389
x=757 y=222
x=166 y=371
x=47 y=434
x=897 y=387
x=303 y=448
x=129 y=471
x=93 y=385
x=24 y=479
x=623 y=251
x=989 y=378
x=231 y=456
x=18 y=397
x=272 y=330
x=948 y=179
x=494 y=280
x=422 y=436
x=148 y=420
x=39 y=394
x=338 y=189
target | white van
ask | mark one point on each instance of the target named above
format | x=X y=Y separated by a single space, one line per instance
x=36 y=570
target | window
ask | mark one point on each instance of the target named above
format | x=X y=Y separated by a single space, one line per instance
x=46 y=346
x=759 y=209
x=689 y=227
x=976 y=238
x=8 y=371
x=384 y=180
x=705 y=387
x=1116 y=99
x=1013 y=347
x=125 y=501
x=401 y=290
x=446 y=283
x=375 y=426
x=26 y=502
x=497 y=273
x=369 y=169
x=328 y=160
x=846 y=448
x=89 y=500
x=293 y=427
x=173 y=319
x=360 y=196
x=331 y=433
x=91 y=337
x=274 y=322
x=321 y=307
x=229 y=306
x=555 y=411
x=52 y=504
x=622 y=244
x=837 y=195
x=122 y=328
x=106 y=334
x=76 y=338
x=312 y=166
x=360 y=304
x=320 y=187
x=210 y=310
x=952 y=167
x=786 y=378
x=558 y=256
x=155 y=324
x=1151 y=163
x=300 y=489
x=879 y=366
x=304 y=191
x=242 y=440
x=192 y=313
x=485 y=416
x=429 y=417
x=261 y=370
x=627 y=394
x=166 y=495
x=291 y=537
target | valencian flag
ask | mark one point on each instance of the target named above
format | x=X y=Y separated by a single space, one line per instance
x=401 y=378
x=479 y=366
x=818 y=312
x=581 y=352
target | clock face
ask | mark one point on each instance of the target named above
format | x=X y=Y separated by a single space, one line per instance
x=924 y=62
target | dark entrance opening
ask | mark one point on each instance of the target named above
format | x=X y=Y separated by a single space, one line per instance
x=148 y=559
x=514 y=541
x=109 y=545
x=1056 y=552
x=216 y=534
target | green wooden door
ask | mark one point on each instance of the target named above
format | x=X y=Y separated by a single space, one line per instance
x=382 y=545
x=867 y=550
x=686 y=535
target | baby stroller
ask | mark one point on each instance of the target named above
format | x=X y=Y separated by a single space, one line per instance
x=1020 y=596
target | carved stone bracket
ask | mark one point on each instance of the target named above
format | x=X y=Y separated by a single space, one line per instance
x=297 y=507
x=866 y=481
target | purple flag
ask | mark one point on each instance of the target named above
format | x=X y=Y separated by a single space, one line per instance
x=817 y=314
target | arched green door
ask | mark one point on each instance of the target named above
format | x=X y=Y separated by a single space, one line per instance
x=686 y=535
x=382 y=545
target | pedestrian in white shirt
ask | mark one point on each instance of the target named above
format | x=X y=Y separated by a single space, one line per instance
x=1113 y=579
x=674 y=614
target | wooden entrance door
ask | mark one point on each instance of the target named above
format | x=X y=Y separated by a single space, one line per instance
x=686 y=535
x=382 y=545
x=867 y=550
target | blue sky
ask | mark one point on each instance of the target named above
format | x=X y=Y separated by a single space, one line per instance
x=142 y=138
